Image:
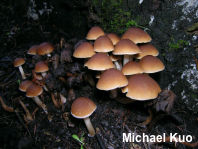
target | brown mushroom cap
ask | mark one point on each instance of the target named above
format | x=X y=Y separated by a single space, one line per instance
x=147 y=49
x=32 y=50
x=33 y=90
x=131 y=68
x=141 y=87
x=151 y=64
x=24 y=85
x=18 y=62
x=115 y=57
x=114 y=38
x=99 y=61
x=82 y=107
x=103 y=44
x=45 y=48
x=94 y=33
x=126 y=46
x=41 y=67
x=85 y=50
x=136 y=35
x=111 y=79
x=38 y=76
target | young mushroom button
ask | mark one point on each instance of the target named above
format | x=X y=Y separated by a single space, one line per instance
x=82 y=108
x=18 y=62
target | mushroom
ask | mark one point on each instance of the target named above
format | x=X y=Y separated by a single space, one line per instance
x=151 y=64
x=141 y=87
x=18 y=62
x=94 y=33
x=23 y=87
x=32 y=50
x=85 y=50
x=45 y=48
x=136 y=35
x=146 y=49
x=114 y=38
x=33 y=91
x=132 y=68
x=99 y=61
x=103 y=44
x=41 y=67
x=110 y=80
x=82 y=108
x=127 y=48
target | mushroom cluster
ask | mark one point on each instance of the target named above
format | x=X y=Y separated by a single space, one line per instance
x=139 y=58
x=120 y=63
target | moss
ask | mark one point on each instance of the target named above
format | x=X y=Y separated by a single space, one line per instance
x=114 y=18
x=193 y=27
x=194 y=96
x=179 y=44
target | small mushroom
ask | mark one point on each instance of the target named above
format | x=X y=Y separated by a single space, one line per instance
x=23 y=87
x=94 y=33
x=151 y=64
x=32 y=50
x=110 y=80
x=136 y=35
x=127 y=48
x=114 y=38
x=82 y=108
x=41 y=67
x=45 y=48
x=18 y=62
x=33 y=91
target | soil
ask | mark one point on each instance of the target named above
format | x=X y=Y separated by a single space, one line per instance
x=111 y=117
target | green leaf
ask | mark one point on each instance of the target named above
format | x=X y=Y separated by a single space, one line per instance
x=81 y=138
x=81 y=147
x=76 y=137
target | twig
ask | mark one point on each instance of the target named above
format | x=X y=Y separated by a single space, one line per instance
x=121 y=117
x=16 y=111
x=99 y=138
x=9 y=77
x=5 y=107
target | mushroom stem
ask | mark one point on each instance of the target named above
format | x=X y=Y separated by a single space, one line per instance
x=62 y=99
x=22 y=73
x=5 y=107
x=130 y=57
x=43 y=74
x=28 y=118
x=125 y=59
x=48 y=55
x=40 y=104
x=91 y=80
x=46 y=89
x=148 y=120
x=113 y=93
x=89 y=127
x=118 y=65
